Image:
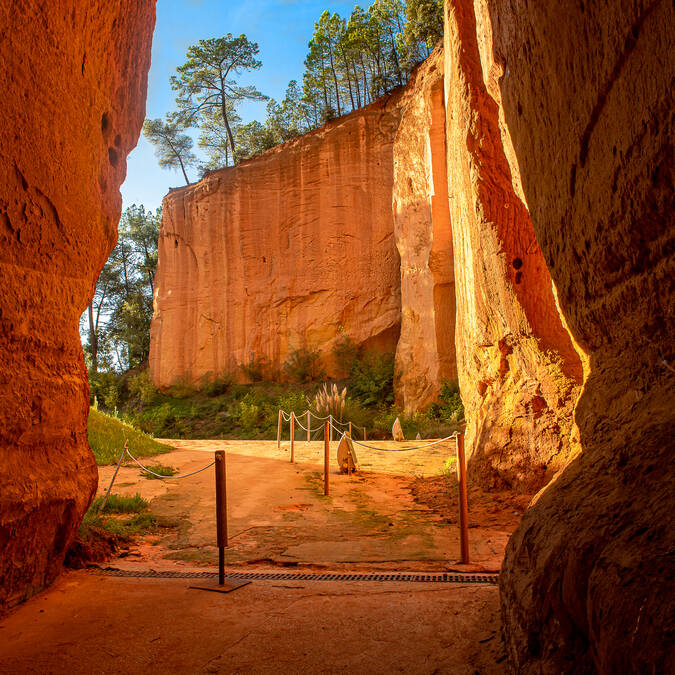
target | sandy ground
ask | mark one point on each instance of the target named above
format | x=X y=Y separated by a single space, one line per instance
x=398 y=512
x=93 y=624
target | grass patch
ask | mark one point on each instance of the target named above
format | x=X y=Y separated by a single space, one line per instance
x=120 y=504
x=107 y=435
x=159 y=469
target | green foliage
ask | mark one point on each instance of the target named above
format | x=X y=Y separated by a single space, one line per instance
x=182 y=388
x=108 y=434
x=250 y=412
x=256 y=369
x=142 y=386
x=346 y=353
x=304 y=365
x=372 y=379
x=173 y=148
x=121 y=504
x=423 y=29
x=449 y=409
x=160 y=469
x=293 y=401
x=217 y=386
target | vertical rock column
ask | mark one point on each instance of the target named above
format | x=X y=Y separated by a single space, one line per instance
x=425 y=355
x=518 y=369
x=74 y=80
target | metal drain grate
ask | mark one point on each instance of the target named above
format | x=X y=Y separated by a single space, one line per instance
x=413 y=577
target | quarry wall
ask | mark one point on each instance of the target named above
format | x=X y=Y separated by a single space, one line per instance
x=571 y=113
x=74 y=85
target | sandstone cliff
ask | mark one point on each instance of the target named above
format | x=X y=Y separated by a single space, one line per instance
x=74 y=83
x=518 y=369
x=425 y=354
x=570 y=113
x=298 y=248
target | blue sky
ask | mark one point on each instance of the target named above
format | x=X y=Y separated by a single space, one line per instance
x=282 y=29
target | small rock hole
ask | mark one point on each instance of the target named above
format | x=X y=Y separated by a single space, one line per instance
x=175 y=243
x=519 y=276
x=105 y=123
x=520 y=108
x=112 y=156
x=517 y=263
x=264 y=259
x=118 y=141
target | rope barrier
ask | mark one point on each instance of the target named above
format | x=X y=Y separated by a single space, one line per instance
x=192 y=473
x=416 y=447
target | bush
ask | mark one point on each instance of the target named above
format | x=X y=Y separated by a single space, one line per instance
x=106 y=388
x=304 y=365
x=346 y=353
x=160 y=469
x=255 y=369
x=293 y=401
x=182 y=388
x=217 y=386
x=449 y=408
x=372 y=379
x=249 y=413
x=142 y=386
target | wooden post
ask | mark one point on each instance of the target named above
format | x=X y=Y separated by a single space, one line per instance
x=279 y=430
x=308 y=427
x=350 y=430
x=330 y=428
x=463 y=501
x=326 y=453
x=365 y=435
x=292 y=437
x=221 y=513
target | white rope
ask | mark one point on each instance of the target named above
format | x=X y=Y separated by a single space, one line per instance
x=416 y=447
x=145 y=468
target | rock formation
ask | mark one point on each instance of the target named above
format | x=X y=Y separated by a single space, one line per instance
x=425 y=354
x=292 y=250
x=74 y=83
x=518 y=370
x=570 y=115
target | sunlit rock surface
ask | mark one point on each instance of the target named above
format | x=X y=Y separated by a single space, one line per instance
x=570 y=112
x=73 y=82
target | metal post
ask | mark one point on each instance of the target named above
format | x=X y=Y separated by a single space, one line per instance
x=117 y=468
x=279 y=430
x=308 y=427
x=221 y=513
x=330 y=429
x=292 y=437
x=463 y=502
x=326 y=453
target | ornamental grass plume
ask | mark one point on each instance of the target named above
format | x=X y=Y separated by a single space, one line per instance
x=329 y=401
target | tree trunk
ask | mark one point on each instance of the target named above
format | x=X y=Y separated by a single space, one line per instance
x=93 y=338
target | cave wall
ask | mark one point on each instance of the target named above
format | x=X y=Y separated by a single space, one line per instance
x=74 y=84
x=582 y=98
x=425 y=354
x=518 y=369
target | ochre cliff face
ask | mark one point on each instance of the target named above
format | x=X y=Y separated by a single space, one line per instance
x=585 y=97
x=291 y=250
x=425 y=355
x=518 y=369
x=73 y=82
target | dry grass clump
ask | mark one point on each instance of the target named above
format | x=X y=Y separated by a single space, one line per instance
x=330 y=401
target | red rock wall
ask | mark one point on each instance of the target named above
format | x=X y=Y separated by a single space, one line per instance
x=73 y=87
x=425 y=354
x=585 y=97
x=518 y=370
x=291 y=250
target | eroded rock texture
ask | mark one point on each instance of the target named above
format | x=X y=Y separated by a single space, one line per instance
x=586 y=95
x=425 y=355
x=73 y=98
x=518 y=369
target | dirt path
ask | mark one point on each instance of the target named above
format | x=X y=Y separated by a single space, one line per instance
x=90 y=624
x=397 y=513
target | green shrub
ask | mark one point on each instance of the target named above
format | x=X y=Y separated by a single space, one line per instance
x=449 y=408
x=108 y=434
x=256 y=369
x=106 y=388
x=372 y=379
x=304 y=365
x=217 y=386
x=346 y=353
x=293 y=401
x=181 y=388
x=249 y=413
x=142 y=386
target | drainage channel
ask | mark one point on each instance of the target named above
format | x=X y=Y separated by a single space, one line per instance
x=413 y=577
